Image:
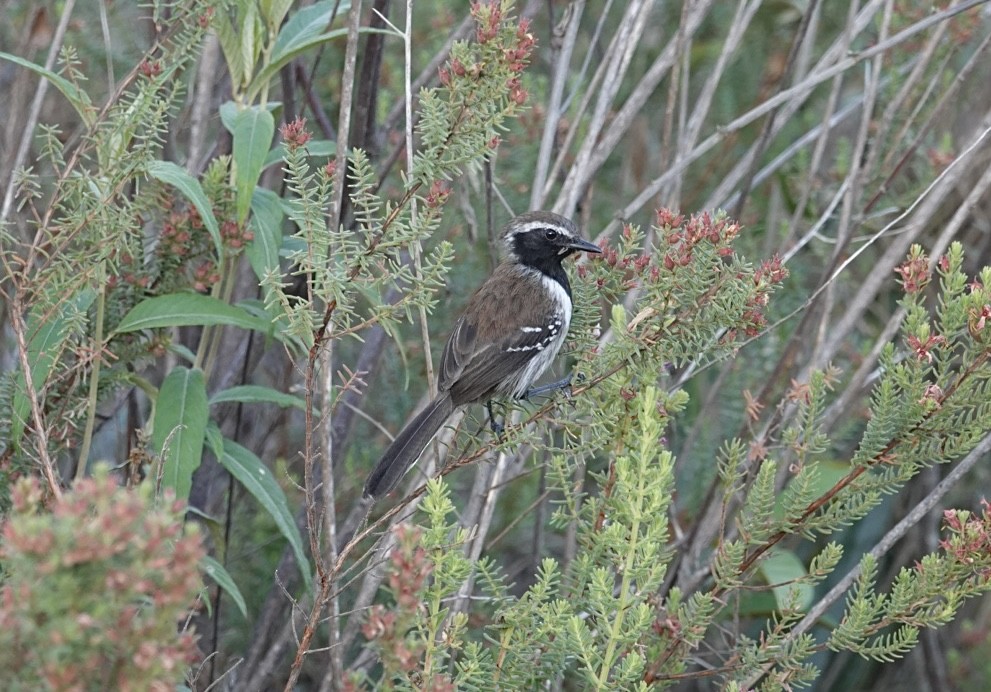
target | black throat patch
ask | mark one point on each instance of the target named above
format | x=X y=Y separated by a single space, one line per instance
x=534 y=251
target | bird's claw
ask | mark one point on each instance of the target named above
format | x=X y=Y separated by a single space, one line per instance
x=561 y=385
x=497 y=427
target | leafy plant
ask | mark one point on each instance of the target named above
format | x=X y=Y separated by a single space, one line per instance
x=209 y=264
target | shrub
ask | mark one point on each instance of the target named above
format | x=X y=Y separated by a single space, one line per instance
x=95 y=588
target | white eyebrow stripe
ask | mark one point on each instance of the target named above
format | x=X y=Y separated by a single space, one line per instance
x=536 y=225
x=531 y=226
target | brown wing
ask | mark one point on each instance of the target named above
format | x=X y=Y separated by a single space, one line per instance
x=457 y=352
x=489 y=370
x=480 y=355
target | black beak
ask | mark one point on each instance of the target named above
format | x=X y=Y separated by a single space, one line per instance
x=582 y=244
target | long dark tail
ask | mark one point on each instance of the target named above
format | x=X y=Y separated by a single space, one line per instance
x=406 y=448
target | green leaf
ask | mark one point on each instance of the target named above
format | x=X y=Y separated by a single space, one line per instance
x=182 y=351
x=305 y=26
x=222 y=577
x=176 y=176
x=228 y=111
x=782 y=567
x=230 y=44
x=266 y=223
x=757 y=603
x=249 y=470
x=45 y=340
x=253 y=131
x=185 y=310
x=77 y=97
x=180 y=427
x=274 y=11
x=215 y=439
x=255 y=394
x=249 y=34
x=304 y=30
x=315 y=147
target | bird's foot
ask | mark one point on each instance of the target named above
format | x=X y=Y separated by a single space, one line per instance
x=561 y=385
x=497 y=427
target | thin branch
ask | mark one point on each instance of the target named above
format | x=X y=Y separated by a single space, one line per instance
x=203 y=96
x=40 y=431
x=765 y=135
x=801 y=89
x=31 y=122
x=881 y=548
x=568 y=30
x=325 y=590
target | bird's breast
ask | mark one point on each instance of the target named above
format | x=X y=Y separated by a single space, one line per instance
x=555 y=330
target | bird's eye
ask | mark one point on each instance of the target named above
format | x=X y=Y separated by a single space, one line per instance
x=550 y=234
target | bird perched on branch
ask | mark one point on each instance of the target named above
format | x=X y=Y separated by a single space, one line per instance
x=506 y=338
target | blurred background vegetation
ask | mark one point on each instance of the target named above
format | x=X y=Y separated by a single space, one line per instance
x=837 y=133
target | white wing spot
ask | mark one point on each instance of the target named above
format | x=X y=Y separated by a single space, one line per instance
x=548 y=342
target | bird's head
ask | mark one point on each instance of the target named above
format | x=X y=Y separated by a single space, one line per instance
x=539 y=237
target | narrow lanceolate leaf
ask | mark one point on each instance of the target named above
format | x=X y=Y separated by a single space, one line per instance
x=190 y=187
x=249 y=34
x=266 y=224
x=230 y=44
x=46 y=334
x=250 y=472
x=77 y=97
x=304 y=29
x=253 y=131
x=222 y=577
x=180 y=427
x=256 y=394
x=187 y=310
x=306 y=26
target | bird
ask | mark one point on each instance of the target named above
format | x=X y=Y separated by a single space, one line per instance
x=506 y=337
